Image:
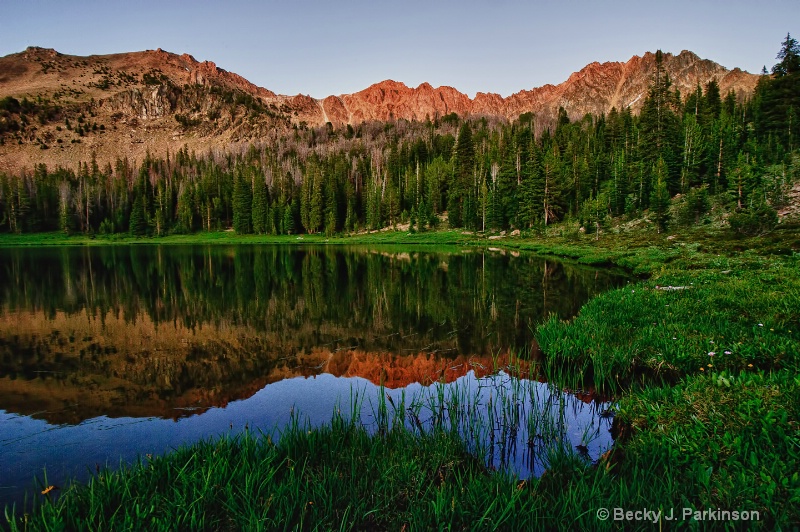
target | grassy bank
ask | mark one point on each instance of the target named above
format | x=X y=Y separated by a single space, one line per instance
x=703 y=356
x=230 y=237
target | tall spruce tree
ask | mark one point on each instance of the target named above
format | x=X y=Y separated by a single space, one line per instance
x=659 y=199
x=660 y=125
x=242 y=203
x=778 y=97
x=260 y=209
x=461 y=184
x=138 y=223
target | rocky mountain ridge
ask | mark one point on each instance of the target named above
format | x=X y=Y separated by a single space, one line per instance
x=70 y=107
x=594 y=89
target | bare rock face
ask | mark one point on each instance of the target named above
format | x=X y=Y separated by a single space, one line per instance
x=334 y=110
x=194 y=72
x=391 y=99
x=148 y=103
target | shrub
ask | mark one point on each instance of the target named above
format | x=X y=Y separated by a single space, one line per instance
x=756 y=221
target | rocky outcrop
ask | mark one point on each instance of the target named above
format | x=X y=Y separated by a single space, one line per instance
x=208 y=73
x=596 y=88
x=151 y=102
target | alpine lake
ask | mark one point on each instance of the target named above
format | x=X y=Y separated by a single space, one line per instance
x=110 y=354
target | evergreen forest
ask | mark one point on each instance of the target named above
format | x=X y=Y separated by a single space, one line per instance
x=683 y=155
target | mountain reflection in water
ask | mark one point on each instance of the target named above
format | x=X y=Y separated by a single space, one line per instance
x=112 y=352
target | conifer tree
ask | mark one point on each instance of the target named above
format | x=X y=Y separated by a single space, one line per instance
x=331 y=206
x=260 y=205
x=242 y=203
x=778 y=97
x=742 y=180
x=551 y=186
x=660 y=126
x=288 y=221
x=317 y=207
x=138 y=223
x=64 y=213
x=22 y=206
x=659 y=199
x=185 y=212
x=463 y=168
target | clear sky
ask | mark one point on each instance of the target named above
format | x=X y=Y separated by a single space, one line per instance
x=333 y=47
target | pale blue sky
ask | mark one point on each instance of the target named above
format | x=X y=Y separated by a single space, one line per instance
x=334 y=47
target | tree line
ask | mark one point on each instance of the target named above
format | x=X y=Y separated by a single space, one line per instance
x=476 y=173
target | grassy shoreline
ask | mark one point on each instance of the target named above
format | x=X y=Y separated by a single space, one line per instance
x=704 y=355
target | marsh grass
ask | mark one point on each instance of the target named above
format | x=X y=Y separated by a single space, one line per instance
x=734 y=315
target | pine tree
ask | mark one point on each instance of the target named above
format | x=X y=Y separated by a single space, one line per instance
x=460 y=185
x=712 y=100
x=742 y=181
x=531 y=189
x=660 y=125
x=64 y=214
x=242 y=204
x=778 y=98
x=306 y=192
x=659 y=199
x=22 y=207
x=138 y=223
x=331 y=209
x=161 y=203
x=552 y=186
x=317 y=207
x=789 y=56
x=619 y=191
x=289 y=218
x=424 y=215
x=260 y=206
x=185 y=213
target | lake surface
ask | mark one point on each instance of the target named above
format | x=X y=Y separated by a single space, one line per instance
x=110 y=353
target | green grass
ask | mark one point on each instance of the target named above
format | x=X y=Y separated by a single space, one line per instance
x=229 y=237
x=693 y=430
x=332 y=478
x=735 y=315
x=734 y=436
